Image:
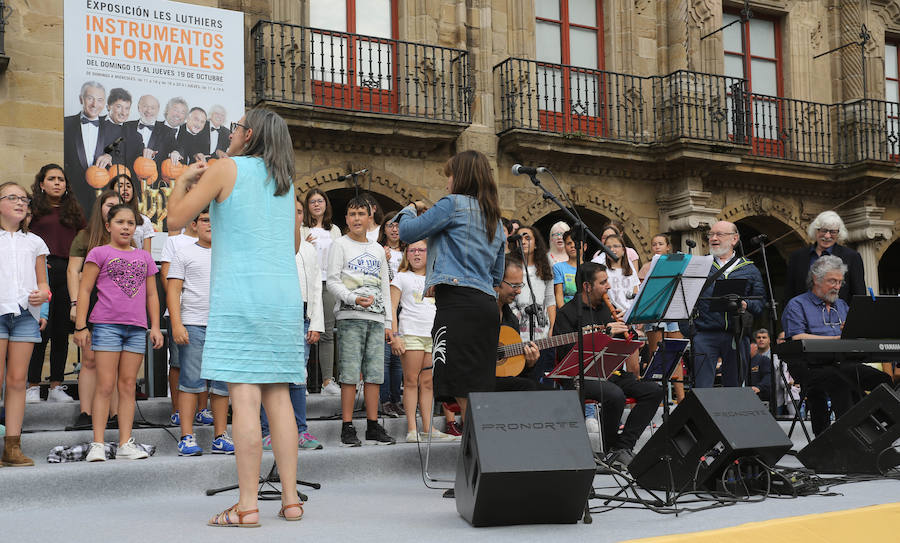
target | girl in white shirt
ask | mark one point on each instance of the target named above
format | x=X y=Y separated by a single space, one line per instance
x=23 y=288
x=411 y=340
x=318 y=230
x=623 y=279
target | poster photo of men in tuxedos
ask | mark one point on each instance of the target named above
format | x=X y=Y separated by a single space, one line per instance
x=165 y=97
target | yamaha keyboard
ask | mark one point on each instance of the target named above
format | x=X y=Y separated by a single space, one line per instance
x=826 y=351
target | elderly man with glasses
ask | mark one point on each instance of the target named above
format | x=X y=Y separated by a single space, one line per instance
x=825 y=231
x=819 y=313
x=717 y=331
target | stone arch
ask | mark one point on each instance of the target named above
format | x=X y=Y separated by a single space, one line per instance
x=598 y=203
x=765 y=206
x=375 y=180
x=884 y=245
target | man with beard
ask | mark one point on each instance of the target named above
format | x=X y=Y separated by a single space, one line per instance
x=819 y=313
x=715 y=336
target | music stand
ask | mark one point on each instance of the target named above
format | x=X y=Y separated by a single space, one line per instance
x=665 y=359
x=872 y=317
x=602 y=357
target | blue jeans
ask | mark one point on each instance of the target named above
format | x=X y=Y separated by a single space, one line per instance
x=298 y=398
x=710 y=346
x=393 y=377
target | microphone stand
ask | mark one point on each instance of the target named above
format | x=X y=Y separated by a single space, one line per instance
x=581 y=230
x=773 y=322
x=530 y=310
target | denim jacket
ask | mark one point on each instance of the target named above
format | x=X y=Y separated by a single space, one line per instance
x=458 y=250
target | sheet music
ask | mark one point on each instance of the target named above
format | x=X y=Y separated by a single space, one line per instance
x=688 y=290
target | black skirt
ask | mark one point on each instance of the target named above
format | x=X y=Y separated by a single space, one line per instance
x=466 y=333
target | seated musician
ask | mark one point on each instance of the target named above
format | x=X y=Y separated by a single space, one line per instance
x=510 y=287
x=819 y=313
x=609 y=394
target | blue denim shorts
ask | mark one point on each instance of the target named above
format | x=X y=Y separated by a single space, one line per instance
x=119 y=337
x=173 y=347
x=191 y=358
x=21 y=327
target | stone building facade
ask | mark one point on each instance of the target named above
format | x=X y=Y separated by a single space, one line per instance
x=643 y=114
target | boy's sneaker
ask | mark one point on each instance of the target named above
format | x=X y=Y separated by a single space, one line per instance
x=96 y=453
x=130 y=451
x=83 y=422
x=375 y=435
x=33 y=394
x=308 y=441
x=436 y=435
x=58 y=394
x=188 y=446
x=175 y=419
x=388 y=410
x=331 y=389
x=204 y=417
x=223 y=444
x=349 y=437
x=267 y=443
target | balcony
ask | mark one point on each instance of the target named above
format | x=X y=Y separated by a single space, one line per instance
x=351 y=78
x=709 y=111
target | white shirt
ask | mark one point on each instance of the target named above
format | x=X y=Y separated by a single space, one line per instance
x=394 y=262
x=89 y=134
x=359 y=269
x=191 y=264
x=173 y=244
x=143 y=231
x=310 y=286
x=17 y=271
x=145 y=132
x=543 y=296
x=620 y=285
x=213 y=139
x=417 y=316
x=372 y=235
x=322 y=242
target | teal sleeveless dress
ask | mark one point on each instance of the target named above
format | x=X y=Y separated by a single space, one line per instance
x=255 y=328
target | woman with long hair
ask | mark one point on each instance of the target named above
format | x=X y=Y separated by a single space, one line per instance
x=623 y=279
x=390 y=397
x=465 y=263
x=56 y=218
x=321 y=232
x=254 y=339
x=128 y=190
x=535 y=304
x=615 y=228
x=95 y=235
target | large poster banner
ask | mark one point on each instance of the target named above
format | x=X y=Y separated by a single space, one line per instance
x=150 y=87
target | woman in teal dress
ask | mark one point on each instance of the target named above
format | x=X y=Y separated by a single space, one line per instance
x=254 y=339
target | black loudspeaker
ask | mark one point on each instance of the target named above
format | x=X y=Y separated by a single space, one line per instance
x=525 y=458
x=861 y=440
x=706 y=433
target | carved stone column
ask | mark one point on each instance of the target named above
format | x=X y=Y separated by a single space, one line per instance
x=868 y=230
x=687 y=212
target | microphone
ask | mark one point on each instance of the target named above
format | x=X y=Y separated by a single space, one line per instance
x=513 y=238
x=518 y=169
x=351 y=175
x=759 y=240
x=113 y=146
x=690 y=243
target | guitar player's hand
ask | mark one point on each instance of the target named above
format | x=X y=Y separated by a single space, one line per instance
x=531 y=354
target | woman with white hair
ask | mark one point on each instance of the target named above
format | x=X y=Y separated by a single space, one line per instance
x=826 y=231
x=557 y=244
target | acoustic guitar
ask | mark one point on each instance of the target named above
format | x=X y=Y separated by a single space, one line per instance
x=511 y=351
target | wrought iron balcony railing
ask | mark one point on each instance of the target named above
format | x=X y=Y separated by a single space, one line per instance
x=328 y=69
x=869 y=130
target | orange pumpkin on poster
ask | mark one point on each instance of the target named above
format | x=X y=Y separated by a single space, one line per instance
x=171 y=171
x=145 y=168
x=96 y=177
x=118 y=169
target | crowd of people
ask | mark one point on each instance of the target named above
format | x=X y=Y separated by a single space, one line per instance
x=407 y=306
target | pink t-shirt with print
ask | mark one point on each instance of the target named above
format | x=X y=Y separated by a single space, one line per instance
x=122 y=285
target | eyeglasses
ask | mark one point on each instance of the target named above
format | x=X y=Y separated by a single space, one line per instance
x=824 y=231
x=317 y=201
x=234 y=126
x=712 y=235
x=13 y=199
x=834 y=282
x=416 y=251
x=515 y=286
x=556 y=234
x=826 y=313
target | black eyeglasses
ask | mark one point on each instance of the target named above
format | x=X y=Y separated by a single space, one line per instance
x=13 y=199
x=236 y=124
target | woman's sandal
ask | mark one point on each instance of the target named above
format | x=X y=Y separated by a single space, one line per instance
x=291 y=506
x=224 y=519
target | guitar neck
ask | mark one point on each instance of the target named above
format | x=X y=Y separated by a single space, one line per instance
x=541 y=344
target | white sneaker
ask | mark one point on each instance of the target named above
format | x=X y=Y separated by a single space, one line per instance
x=331 y=389
x=96 y=453
x=593 y=426
x=130 y=451
x=58 y=394
x=413 y=437
x=33 y=394
x=437 y=435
